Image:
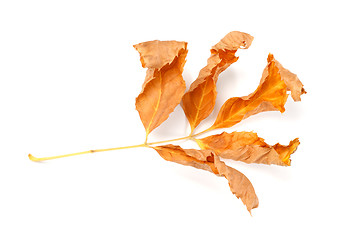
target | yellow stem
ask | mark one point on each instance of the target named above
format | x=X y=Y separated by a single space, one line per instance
x=146 y=140
x=35 y=159
x=171 y=140
x=200 y=133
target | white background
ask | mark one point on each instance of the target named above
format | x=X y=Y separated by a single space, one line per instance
x=68 y=81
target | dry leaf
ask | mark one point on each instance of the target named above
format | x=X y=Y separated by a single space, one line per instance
x=201 y=159
x=199 y=101
x=164 y=86
x=239 y=184
x=249 y=148
x=270 y=95
x=207 y=160
x=293 y=84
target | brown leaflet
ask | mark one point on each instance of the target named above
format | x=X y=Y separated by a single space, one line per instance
x=201 y=159
x=293 y=84
x=207 y=160
x=249 y=148
x=239 y=184
x=270 y=95
x=164 y=86
x=199 y=101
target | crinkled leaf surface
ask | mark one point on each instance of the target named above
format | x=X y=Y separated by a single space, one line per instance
x=239 y=184
x=199 y=101
x=201 y=159
x=207 y=160
x=249 y=148
x=270 y=95
x=164 y=86
x=293 y=84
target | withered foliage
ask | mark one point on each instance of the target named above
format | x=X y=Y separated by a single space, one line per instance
x=199 y=101
x=208 y=160
x=164 y=88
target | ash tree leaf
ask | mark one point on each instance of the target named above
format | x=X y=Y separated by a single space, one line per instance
x=199 y=101
x=207 y=160
x=249 y=148
x=270 y=95
x=164 y=86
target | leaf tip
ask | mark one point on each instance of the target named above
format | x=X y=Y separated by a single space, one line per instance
x=286 y=151
x=251 y=206
x=270 y=57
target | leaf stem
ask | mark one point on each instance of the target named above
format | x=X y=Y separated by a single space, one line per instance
x=191 y=136
x=171 y=140
x=35 y=159
x=200 y=133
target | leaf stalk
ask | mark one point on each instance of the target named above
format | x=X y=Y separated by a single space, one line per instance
x=146 y=144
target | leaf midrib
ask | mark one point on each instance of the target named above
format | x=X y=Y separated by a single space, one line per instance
x=156 y=107
x=241 y=110
x=199 y=107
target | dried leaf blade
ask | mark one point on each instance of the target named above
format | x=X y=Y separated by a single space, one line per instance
x=271 y=95
x=199 y=101
x=239 y=185
x=207 y=160
x=249 y=148
x=164 y=86
x=200 y=159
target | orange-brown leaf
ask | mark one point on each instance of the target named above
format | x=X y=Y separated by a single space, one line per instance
x=207 y=160
x=270 y=95
x=239 y=184
x=164 y=86
x=293 y=84
x=201 y=159
x=249 y=148
x=199 y=101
